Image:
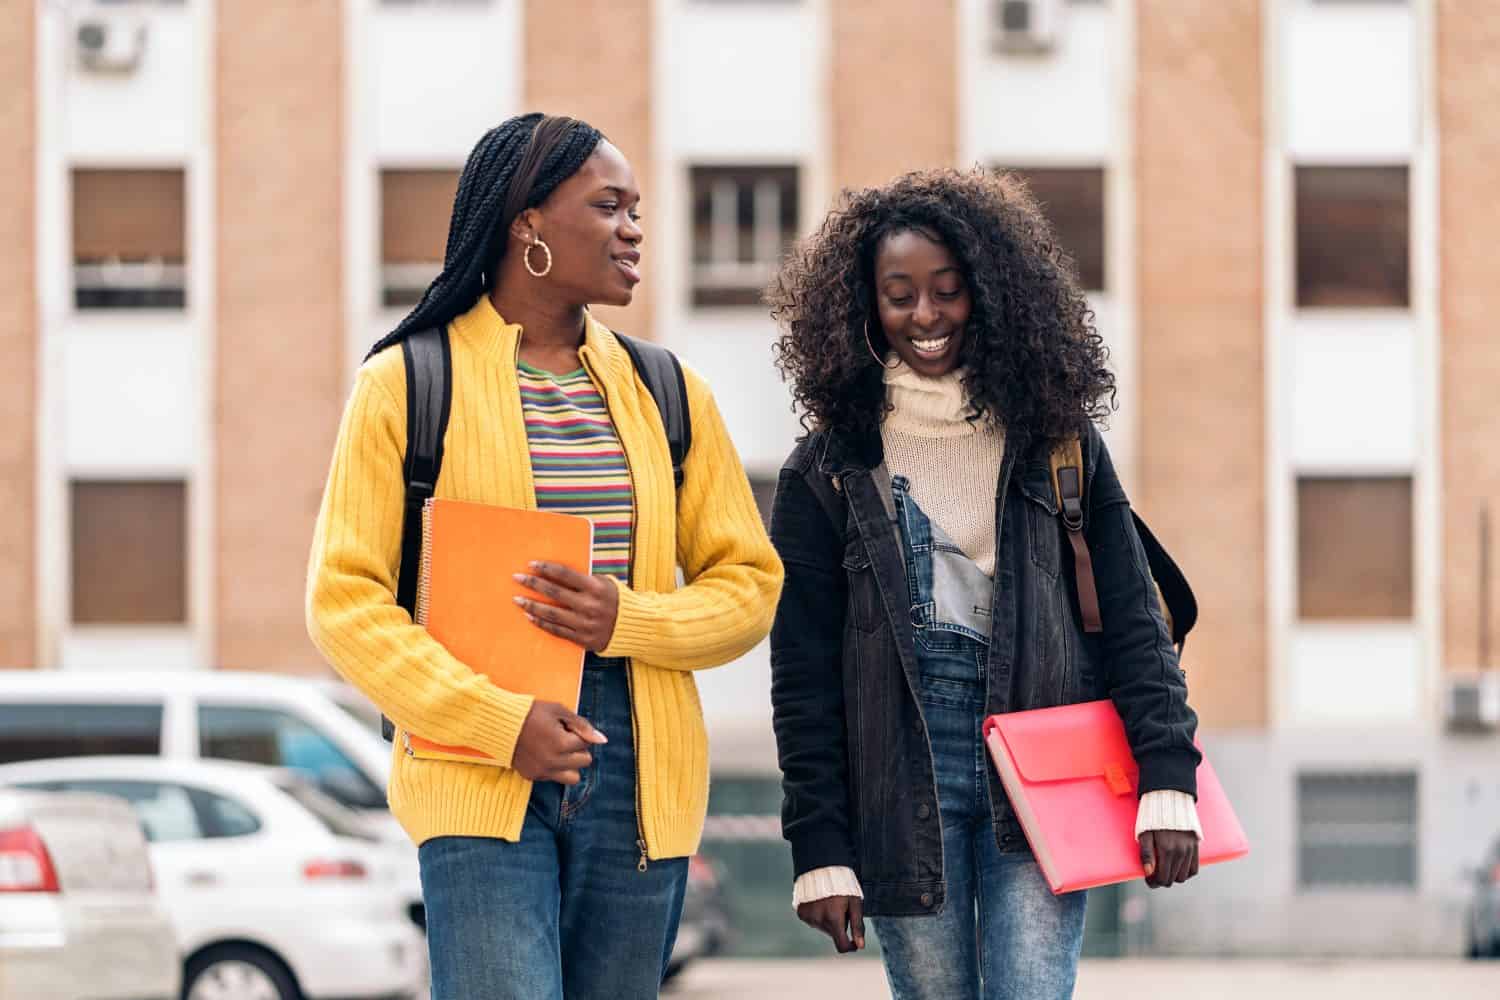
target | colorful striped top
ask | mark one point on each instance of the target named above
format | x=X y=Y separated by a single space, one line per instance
x=577 y=462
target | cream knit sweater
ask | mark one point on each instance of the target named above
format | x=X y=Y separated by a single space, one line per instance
x=953 y=465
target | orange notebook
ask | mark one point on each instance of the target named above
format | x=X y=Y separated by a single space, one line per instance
x=465 y=600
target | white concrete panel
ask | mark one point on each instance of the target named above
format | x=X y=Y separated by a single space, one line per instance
x=1351 y=90
x=146 y=115
x=1353 y=391
x=131 y=395
x=742 y=81
x=732 y=350
x=1056 y=106
x=110 y=648
x=442 y=75
x=1355 y=674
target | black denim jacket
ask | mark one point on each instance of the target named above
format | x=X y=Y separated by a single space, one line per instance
x=857 y=771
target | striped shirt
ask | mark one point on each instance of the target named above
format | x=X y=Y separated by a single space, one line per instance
x=577 y=462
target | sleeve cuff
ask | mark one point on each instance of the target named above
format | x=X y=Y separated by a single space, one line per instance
x=1176 y=770
x=822 y=883
x=634 y=625
x=1167 y=810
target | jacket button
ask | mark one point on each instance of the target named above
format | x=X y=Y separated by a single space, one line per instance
x=923 y=811
x=927 y=899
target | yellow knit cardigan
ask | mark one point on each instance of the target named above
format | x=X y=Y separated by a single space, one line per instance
x=711 y=529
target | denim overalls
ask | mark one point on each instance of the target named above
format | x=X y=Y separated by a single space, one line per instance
x=1001 y=926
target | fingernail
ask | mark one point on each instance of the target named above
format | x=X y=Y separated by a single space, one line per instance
x=535 y=565
x=518 y=577
x=519 y=600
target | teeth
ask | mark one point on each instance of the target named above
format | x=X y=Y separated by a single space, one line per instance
x=931 y=346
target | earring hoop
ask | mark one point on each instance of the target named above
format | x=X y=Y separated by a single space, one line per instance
x=874 y=354
x=526 y=256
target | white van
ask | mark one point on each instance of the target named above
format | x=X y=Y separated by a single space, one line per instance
x=323 y=729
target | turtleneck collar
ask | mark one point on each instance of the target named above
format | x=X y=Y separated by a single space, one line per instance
x=927 y=407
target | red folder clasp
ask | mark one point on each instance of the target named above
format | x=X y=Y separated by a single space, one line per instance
x=1119 y=781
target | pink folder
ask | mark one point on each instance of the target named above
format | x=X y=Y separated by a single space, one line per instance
x=1070 y=775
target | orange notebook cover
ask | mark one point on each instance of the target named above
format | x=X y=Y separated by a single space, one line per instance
x=465 y=600
x=1072 y=780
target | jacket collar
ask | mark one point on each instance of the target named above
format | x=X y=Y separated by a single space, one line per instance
x=498 y=341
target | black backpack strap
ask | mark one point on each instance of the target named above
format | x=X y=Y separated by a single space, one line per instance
x=429 y=399
x=662 y=373
x=1176 y=595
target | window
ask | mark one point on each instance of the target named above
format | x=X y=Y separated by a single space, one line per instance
x=1353 y=233
x=1354 y=549
x=35 y=731
x=415 y=207
x=743 y=220
x=129 y=239
x=1357 y=829
x=764 y=488
x=129 y=553
x=270 y=736
x=166 y=811
x=1073 y=200
x=336 y=819
x=223 y=817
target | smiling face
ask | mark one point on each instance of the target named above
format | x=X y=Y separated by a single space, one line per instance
x=922 y=301
x=591 y=225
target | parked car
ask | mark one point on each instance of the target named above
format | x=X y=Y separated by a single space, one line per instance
x=317 y=727
x=79 y=914
x=274 y=890
x=704 y=929
x=1484 y=913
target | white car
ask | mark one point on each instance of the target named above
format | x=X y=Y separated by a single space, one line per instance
x=275 y=891
x=79 y=915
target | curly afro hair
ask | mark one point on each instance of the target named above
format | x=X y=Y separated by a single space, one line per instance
x=1032 y=359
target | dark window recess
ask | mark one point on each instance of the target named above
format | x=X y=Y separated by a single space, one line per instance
x=129 y=553
x=1357 y=830
x=743 y=220
x=269 y=736
x=223 y=817
x=1354 y=549
x=35 y=731
x=1072 y=198
x=129 y=239
x=415 y=208
x=764 y=488
x=1353 y=237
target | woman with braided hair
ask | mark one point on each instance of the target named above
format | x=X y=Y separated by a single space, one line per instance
x=560 y=872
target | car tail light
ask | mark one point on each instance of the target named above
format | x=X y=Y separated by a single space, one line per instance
x=333 y=870
x=701 y=871
x=1495 y=874
x=25 y=865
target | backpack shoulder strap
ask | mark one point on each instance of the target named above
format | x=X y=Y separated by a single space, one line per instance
x=1067 y=485
x=662 y=373
x=429 y=399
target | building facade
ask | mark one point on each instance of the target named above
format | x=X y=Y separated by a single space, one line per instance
x=1280 y=209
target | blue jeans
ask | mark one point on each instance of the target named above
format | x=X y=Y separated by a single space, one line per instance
x=1002 y=934
x=564 y=912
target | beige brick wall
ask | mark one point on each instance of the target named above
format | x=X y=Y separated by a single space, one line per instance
x=1202 y=371
x=893 y=88
x=18 y=337
x=1469 y=217
x=592 y=59
x=279 y=382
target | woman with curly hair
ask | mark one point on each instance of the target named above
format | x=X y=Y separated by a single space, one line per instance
x=939 y=347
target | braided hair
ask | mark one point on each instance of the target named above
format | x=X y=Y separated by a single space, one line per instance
x=515 y=166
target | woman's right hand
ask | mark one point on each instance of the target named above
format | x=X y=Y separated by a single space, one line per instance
x=553 y=745
x=840 y=917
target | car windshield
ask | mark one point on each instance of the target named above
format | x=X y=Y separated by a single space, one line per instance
x=360 y=710
x=341 y=822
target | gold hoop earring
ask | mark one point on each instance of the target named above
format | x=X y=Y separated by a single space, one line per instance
x=526 y=256
x=874 y=354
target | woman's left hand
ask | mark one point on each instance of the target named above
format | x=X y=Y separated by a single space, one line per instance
x=583 y=608
x=1169 y=857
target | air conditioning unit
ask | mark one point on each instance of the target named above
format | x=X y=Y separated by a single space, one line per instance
x=110 y=41
x=1473 y=701
x=1027 y=25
